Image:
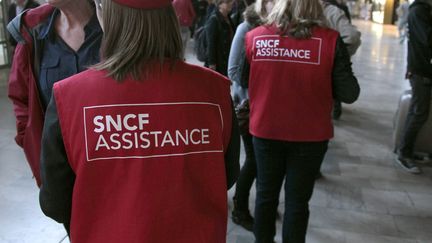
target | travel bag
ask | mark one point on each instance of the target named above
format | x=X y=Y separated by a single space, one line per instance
x=423 y=143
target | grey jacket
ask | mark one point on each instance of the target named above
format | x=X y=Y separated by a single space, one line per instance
x=337 y=20
x=237 y=55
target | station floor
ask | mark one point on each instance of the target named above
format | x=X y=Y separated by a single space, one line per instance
x=363 y=198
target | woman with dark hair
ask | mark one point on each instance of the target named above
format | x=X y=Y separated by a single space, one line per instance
x=297 y=67
x=220 y=32
x=125 y=157
x=200 y=7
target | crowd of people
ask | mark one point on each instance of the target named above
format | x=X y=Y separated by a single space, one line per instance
x=130 y=143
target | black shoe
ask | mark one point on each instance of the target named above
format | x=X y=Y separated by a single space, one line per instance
x=408 y=165
x=243 y=218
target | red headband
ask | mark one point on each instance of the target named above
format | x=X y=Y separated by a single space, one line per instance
x=144 y=4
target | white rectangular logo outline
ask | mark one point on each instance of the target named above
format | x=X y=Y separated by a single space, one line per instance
x=149 y=104
x=279 y=60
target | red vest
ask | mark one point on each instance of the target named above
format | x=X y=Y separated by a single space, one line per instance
x=290 y=85
x=185 y=12
x=148 y=156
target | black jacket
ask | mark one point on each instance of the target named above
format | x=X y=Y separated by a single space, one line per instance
x=12 y=15
x=420 y=39
x=219 y=37
x=200 y=8
x=345 y=85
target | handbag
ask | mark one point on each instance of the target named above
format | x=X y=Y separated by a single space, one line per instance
x=242 y=112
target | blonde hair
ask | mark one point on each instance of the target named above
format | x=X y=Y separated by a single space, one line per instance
x=136 y=40
x=297 y=17
x=260 y=9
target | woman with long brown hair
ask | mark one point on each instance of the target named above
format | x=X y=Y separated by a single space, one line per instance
x=297 y=67
x=142 y=147
x=219 y=30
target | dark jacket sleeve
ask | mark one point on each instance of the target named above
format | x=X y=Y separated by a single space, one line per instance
x=211 y=29
x=232 y=155
x=55 y=196
x=421 y=24
x=345 y=85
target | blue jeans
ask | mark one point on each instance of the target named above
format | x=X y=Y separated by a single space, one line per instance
x=298 y=163
x=417 y=115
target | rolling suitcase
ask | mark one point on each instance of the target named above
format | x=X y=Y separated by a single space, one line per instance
x=423 y=143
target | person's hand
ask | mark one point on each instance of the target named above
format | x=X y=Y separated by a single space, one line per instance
x=235 y=98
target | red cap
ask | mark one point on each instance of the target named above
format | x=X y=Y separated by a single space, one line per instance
x=144 y=4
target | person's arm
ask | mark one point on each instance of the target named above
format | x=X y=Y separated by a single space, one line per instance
x=19 y=77
x=58 y=178
x=18 y=89
x=248 y=48
x=232 y=154
x=236 y=64
x=211 y=32
x=338 y=21
x=237 y=52
x=345 y=85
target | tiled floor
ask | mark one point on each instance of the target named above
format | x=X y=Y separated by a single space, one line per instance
x=363 y=198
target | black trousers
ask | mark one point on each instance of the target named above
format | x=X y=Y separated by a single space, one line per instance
x=67 y=228
x=417 y=115
x=247 y=175
x=297 y=163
